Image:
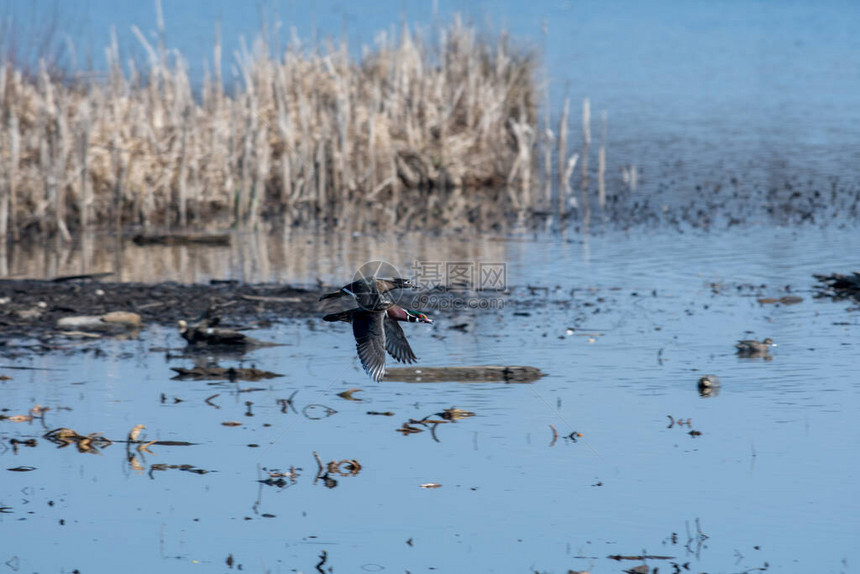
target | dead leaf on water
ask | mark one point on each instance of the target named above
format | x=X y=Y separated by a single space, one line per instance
x=62 y=434
x=135 y=464
x=344 y=467
x=455 y=414
x=787 y=300
x=19 y=418
x=144 y=447
x=39 y=410
x=407 y=429
x=348 y=395
x=134 y=434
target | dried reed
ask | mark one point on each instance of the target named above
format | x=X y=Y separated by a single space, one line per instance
x=311 y=129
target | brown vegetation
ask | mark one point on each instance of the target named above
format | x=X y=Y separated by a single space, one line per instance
x=311 y=130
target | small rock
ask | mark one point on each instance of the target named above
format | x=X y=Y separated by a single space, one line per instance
x=29 y=314
x=126 y=318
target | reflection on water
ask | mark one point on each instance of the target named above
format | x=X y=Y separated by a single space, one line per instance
x=288 y=256
x=614 y=452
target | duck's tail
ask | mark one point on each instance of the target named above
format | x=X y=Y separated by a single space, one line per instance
x=345 y=316
x=332 y=295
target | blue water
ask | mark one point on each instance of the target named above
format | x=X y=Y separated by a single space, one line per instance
x=695 y=92
x=770 y=480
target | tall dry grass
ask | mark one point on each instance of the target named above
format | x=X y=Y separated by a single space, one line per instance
x=310 y=129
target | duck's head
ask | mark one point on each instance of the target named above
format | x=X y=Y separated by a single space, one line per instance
x=402 y=282
x=416 y=317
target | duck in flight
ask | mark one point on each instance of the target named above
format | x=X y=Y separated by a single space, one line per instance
x=375 y=322
x=369 y=288
x=377 y=331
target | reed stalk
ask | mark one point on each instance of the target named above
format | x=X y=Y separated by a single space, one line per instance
x=309 y=129
x=601 y=163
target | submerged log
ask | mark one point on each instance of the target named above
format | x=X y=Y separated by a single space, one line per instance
x=199 y=373
x=476 y=374
x=222 y=239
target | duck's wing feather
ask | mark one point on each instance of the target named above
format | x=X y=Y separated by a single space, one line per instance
x=396 y=343
x=370 y=342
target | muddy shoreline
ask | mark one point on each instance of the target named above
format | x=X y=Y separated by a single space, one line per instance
x=32 y=307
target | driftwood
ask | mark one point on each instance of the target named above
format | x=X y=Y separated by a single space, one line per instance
x=182 y=239
x=477 y=374
x=220 y=373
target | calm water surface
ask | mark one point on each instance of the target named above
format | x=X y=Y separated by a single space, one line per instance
x=697 y=94
x=771 y=479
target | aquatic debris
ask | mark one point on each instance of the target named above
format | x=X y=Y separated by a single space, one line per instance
x=221 y=239
x=231 y=424
x=17 y=418
x=381 y=414
x=620 y=557
x=321 y=563
x=30 y=442
x=81 y=277
x=787 y=300
x=90 y=443
x=207 y=332
x=113 y=323
x=476 y=374
x=346 y=467
x=750 y=348
x=708 y=385
x=316 y=411
x=183 y=467
x=450 y=415
x=431 y=485
x=22 y=468
x=679 y=422
x=134 y=433
x=279 y=479
x=455 y=414
x=203 y=373
x=838 y=286
x=287 y=404
x=348 y=395
x=407 y=429
x=38 y=410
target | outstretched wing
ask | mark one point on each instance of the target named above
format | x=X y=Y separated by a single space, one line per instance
x=370 y=342
x=396 y=343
